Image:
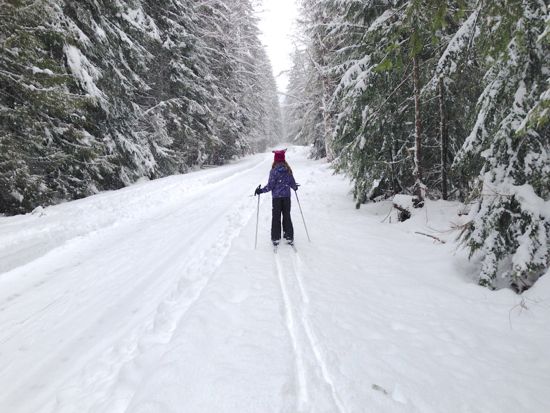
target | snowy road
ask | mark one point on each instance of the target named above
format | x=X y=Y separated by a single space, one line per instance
x=152 y=299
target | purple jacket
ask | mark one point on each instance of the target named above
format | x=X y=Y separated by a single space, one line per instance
x=280 y=182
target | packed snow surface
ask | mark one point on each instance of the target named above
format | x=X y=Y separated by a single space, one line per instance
x=153 y=299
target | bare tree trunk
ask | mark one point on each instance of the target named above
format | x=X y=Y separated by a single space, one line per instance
x=326 y=123
x=419 y=187
x=326 y=114
x=444 y=139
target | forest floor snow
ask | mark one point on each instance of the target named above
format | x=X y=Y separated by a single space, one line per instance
x=153 y=299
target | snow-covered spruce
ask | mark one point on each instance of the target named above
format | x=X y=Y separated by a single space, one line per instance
x=451 y=97
x=95 y=95
x=510 y=227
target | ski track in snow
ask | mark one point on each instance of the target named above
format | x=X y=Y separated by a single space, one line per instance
x=312 y=337
x=302 y=385
x=311 y=369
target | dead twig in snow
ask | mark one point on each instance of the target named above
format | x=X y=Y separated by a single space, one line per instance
x=431 y=236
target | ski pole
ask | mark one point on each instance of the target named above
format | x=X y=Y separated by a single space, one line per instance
x=305 y=226
x=257 y=219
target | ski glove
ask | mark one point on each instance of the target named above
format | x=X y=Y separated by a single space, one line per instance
x=258 y=191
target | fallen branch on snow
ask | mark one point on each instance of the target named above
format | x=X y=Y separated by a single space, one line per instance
x=431 y=236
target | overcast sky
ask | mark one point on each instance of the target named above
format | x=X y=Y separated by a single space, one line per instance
x=277 y=24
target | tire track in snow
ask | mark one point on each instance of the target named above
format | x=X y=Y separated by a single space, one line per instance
x=116 y=371
x=311 y=367
x=48 y=236
x=172 y=311
x=124 y=365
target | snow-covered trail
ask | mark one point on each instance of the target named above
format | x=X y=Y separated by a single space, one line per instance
x=108 y=291
x=152 y=299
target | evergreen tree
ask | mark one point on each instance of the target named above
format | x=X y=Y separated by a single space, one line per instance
x=303 y=105
x=49 y=140
x=442 y=99
x=381 y=125
x=96 y=94
x=295 y=100
x=510 y=227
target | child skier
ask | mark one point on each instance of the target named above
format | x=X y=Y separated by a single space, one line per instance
x=280 y=182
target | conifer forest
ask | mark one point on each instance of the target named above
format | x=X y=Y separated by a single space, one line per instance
x=97 y=94
x=435 y=99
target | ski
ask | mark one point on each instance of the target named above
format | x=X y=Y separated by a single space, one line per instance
x=291 y=244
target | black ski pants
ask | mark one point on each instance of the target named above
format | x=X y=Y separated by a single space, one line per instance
x=281 y=206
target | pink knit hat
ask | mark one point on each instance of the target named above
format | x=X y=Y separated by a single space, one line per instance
x=280 y=155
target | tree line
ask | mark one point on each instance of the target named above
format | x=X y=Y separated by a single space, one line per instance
x=437 y=99
x=95 y=94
